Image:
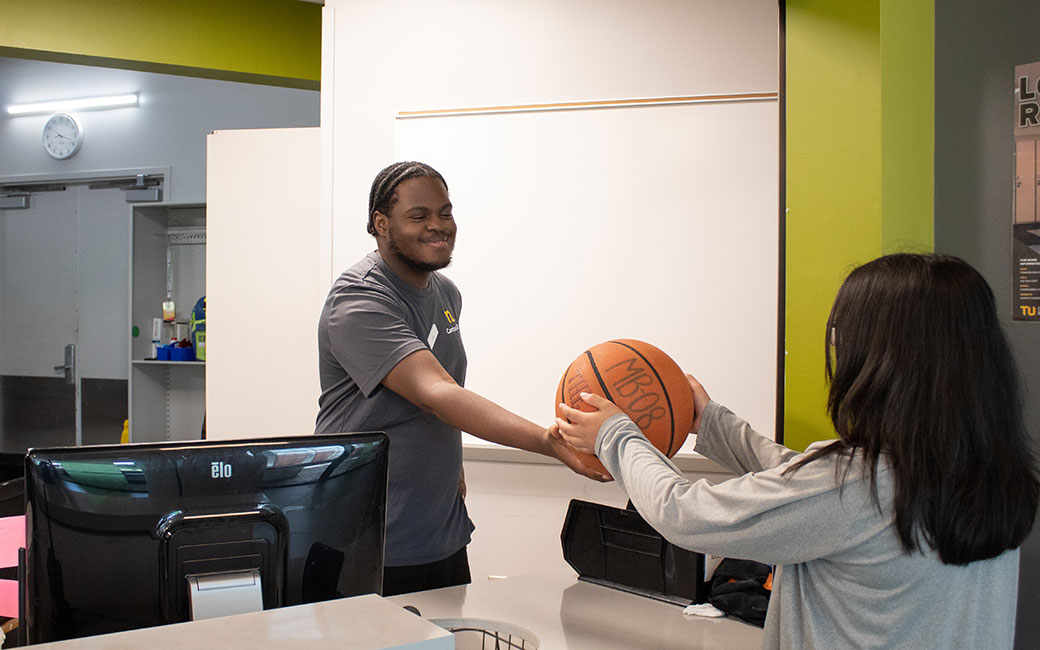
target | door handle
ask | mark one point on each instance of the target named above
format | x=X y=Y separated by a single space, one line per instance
x=69 y=367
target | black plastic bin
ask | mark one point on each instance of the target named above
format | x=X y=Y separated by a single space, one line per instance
x=616 y=547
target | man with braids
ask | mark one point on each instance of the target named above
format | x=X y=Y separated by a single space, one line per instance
x=391 y=359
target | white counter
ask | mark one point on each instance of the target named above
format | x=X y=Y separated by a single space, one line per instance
x=568 y=614
x=358 y=623
x=564 y=613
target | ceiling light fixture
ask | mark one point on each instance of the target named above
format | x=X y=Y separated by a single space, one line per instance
x=85 y=103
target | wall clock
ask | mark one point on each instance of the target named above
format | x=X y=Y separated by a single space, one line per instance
x=62 y=136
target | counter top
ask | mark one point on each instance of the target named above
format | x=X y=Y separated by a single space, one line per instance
x=566 y=613
x=563 y=612
x=358 y=623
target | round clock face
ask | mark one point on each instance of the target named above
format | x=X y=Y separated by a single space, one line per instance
x=62 y=136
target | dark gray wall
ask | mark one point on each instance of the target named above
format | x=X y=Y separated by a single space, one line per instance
x=977 y=46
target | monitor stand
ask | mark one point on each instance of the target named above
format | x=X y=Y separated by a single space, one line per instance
x=223 y=594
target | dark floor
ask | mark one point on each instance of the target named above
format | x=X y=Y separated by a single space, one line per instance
x=40 y=412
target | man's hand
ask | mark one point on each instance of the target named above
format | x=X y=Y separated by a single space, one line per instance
x=569 y=456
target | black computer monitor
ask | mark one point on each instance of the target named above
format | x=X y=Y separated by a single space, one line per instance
x=115 y=534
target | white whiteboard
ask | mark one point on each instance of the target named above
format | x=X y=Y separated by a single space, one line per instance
x=657 y=223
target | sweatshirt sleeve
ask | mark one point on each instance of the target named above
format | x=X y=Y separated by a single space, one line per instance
x=732 y=443
x=761 y=515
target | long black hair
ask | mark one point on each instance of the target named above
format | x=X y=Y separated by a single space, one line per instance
x=919 y=369
x=382 y=195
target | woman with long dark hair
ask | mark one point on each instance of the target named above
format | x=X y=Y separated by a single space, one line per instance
x=901 y=533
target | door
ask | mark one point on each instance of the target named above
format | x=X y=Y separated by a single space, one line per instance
x=63 y=318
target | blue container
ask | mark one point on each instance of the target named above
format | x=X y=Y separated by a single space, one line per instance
x=182 y=354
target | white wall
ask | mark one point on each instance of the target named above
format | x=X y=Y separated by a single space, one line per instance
x=380 y=58
x=576 y=226
x=519 y=510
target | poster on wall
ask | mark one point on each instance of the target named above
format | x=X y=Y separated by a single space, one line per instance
x=1026 y=217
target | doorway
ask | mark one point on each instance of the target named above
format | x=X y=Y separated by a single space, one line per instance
x=64 y=332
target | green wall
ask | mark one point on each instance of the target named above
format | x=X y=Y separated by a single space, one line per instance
x=907 y=125
x=860 y=142
x=274 y=42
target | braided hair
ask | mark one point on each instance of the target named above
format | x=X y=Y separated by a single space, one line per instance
x=382 y=196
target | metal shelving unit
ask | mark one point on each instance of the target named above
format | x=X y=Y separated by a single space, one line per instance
x=167 y=399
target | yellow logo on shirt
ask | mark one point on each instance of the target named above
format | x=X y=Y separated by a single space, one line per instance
x=452 y=325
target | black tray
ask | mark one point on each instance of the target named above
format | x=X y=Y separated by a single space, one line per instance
x=616 y=547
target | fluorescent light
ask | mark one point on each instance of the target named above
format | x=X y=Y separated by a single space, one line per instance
x=53 y=106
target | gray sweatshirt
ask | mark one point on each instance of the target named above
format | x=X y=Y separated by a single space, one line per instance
x=843 y=579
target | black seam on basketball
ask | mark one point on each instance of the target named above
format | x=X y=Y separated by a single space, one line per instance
x=563 y=386
x=599 y=378
x=664 y=389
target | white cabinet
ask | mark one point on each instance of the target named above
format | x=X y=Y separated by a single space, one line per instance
x=167 y=399
x=265 y=286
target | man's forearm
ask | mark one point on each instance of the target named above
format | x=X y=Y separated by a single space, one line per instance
x=478 y=416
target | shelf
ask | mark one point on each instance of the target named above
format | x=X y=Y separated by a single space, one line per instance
x=158 y=362
x=181 y=236
x=167 y=399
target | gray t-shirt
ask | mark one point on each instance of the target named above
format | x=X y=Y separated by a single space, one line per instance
x=843 y=579
x=373 y=319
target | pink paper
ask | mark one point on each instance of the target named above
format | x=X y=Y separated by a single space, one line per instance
x=12 y=538
x=9 y=598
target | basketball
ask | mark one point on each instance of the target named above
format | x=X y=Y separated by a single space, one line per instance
x=642 y=381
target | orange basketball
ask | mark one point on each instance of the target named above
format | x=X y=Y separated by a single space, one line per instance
x=642 y=381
